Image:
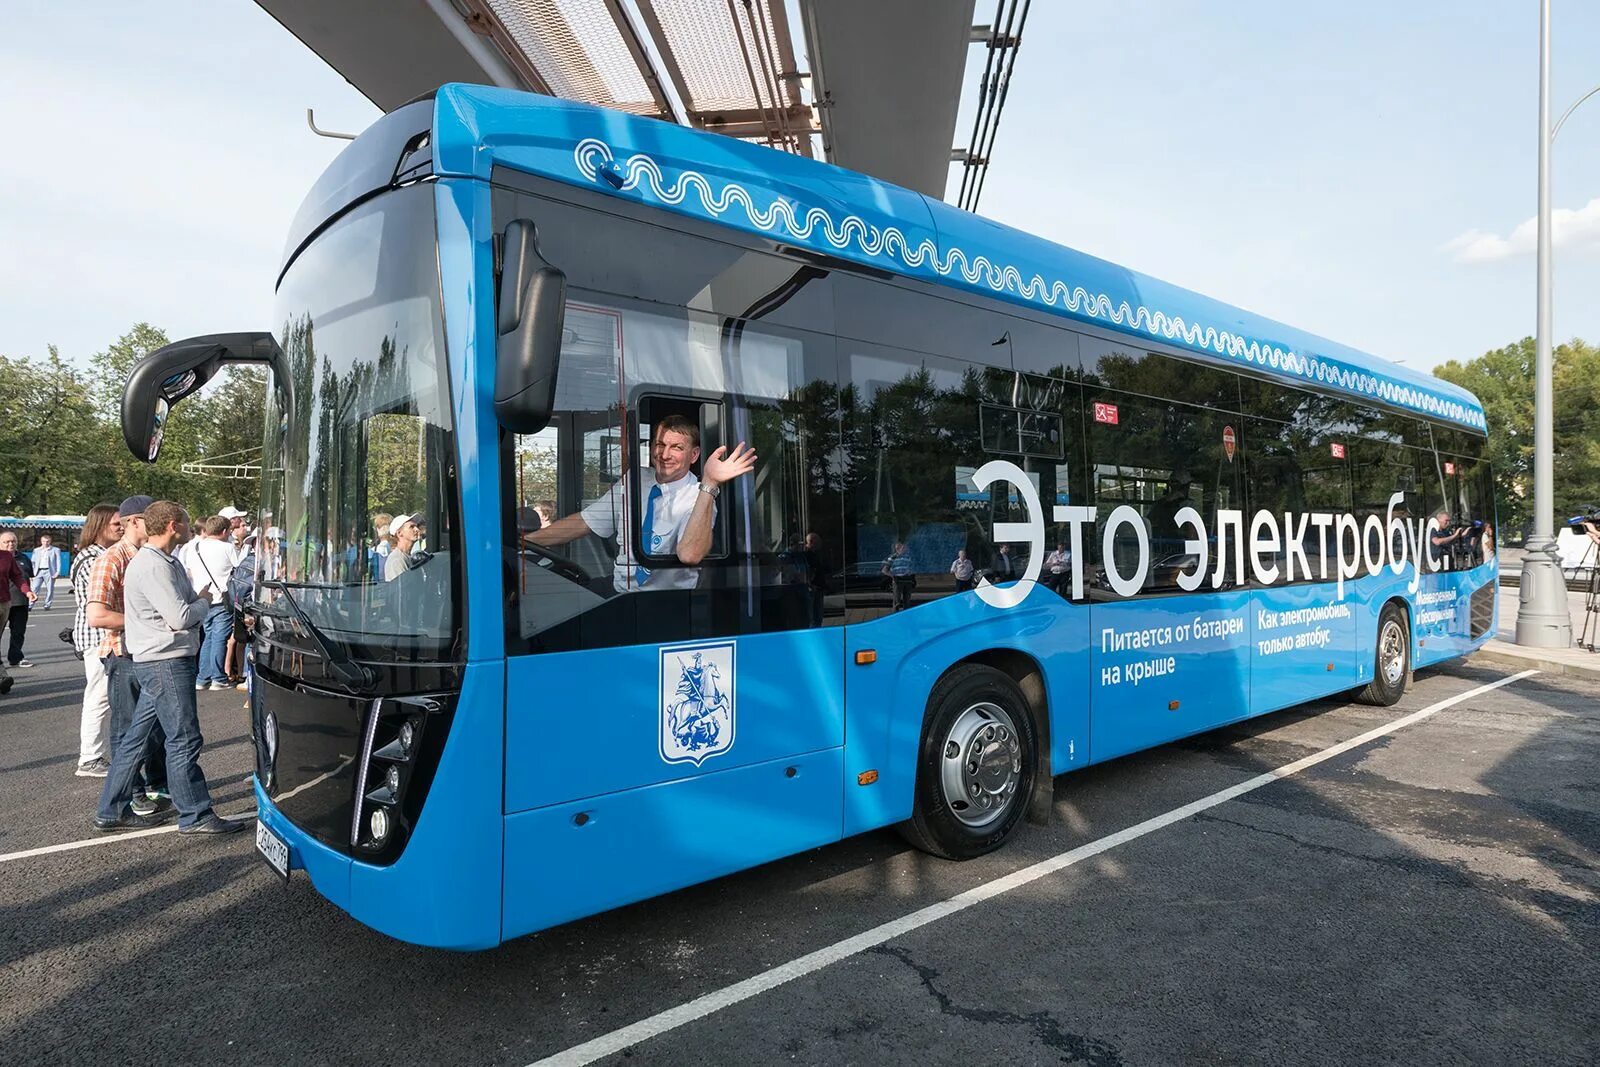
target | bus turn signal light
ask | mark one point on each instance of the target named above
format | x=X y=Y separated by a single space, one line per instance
x=866 y=777
x=866 y=656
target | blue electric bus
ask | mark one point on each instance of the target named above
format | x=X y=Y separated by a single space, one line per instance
x=1177 y=515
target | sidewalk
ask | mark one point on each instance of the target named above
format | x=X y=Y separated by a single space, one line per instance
x=1577 y=662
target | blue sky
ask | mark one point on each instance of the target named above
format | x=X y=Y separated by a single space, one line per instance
x=1356 y=170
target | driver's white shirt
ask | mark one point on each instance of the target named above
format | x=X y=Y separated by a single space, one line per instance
x=668 y=521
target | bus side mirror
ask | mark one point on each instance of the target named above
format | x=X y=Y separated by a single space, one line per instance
x=531 y=317
x=175 y=371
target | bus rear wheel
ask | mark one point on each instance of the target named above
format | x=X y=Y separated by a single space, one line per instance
x=1391 y=660
x=975 y=767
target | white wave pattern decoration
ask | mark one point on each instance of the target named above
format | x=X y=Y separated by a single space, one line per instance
x=781 y=217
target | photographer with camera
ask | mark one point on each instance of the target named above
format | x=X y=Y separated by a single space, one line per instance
x=1589 y=523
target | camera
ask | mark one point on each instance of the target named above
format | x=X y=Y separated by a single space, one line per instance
x=1591 y=514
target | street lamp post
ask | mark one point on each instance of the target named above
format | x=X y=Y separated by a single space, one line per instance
x=1543 y=620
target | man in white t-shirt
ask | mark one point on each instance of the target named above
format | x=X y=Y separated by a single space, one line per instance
x=679 y=510
x=235 y=535
x=208 y=561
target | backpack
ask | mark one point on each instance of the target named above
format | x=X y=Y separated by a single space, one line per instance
x=242 y=582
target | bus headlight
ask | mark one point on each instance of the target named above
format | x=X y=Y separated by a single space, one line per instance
x=392 y=780
x=379 y=825
x=408 y=734
x=269 y=741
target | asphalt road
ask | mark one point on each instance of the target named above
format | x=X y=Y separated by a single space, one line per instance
x=1428 y=897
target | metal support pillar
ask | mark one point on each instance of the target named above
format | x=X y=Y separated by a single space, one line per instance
x=1543 y=620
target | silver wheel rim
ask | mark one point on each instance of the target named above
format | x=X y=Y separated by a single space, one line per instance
x=980 y=767
x=1392 y=652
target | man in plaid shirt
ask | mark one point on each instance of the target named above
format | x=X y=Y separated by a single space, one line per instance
x=104 y=612
x=101 y=529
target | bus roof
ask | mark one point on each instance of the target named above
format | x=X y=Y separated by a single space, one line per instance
x=853 y=217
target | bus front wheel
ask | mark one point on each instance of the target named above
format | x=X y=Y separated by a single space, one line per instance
x=976 y=764
x=1391 y=661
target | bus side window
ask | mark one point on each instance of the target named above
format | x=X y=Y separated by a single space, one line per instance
x=914 y=436
x=1160 y=457
x=573 y=463
x=1295 y=471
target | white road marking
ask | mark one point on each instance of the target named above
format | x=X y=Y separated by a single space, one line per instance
x=109 y=838
x=662 y=1022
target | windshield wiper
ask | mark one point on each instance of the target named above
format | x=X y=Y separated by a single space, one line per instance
x=358 y=677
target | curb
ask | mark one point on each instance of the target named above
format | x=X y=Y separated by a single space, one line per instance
x=1549 y=666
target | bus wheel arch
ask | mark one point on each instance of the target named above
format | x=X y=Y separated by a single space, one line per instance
x=1392 y=655
x=985 y=729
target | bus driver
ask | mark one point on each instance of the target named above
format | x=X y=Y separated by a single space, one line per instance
x=679 y=508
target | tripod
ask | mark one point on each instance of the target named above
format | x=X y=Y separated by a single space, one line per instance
x=1591 y=600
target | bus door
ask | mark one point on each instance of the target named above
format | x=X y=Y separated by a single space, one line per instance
x=1303 y=632
x=668 y=721
x=958 y=470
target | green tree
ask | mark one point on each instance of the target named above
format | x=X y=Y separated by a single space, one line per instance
x=47 y=417
x=1502 y=379
x=219 y=427
x=61 y=446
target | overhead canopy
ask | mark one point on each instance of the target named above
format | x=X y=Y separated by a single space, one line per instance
x=887 y=74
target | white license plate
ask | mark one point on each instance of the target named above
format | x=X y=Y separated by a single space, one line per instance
x=274 y=848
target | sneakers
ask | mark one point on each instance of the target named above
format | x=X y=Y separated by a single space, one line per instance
x=6 y=683
x=143 y=805
x=95 y=768
x=213 y=824
x=200 y=687
x=159 y=793
x=130 y=821
x=218 y=685
x=23 y=663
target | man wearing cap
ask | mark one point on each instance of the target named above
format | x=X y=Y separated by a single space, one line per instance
x=236 y=520
x=405 y=532
x=163 y=614
x=10 y=575
x=103 y=611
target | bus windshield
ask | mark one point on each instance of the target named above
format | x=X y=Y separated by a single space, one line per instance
x=359 y=503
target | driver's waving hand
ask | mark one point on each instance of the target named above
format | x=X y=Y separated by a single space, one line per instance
x=679 y=509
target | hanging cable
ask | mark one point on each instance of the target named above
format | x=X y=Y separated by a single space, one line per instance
x=992 y=90
x=983 y=99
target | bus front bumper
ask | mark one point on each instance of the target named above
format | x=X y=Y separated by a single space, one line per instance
x=328 y=870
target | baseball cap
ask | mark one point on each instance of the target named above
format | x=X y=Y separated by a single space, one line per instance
x=134 y=505
x=231 y=512
x=400 y=520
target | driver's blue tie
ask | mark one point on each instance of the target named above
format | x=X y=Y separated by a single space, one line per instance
x=642 y=574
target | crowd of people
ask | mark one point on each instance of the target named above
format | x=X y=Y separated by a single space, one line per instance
x=158 y=619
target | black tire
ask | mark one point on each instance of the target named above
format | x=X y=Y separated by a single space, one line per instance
x=1391 y=659
x=983 y=714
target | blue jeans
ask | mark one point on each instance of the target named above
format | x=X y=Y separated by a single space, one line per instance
x=122 y=689
x=166 y=696
x=214 y=644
